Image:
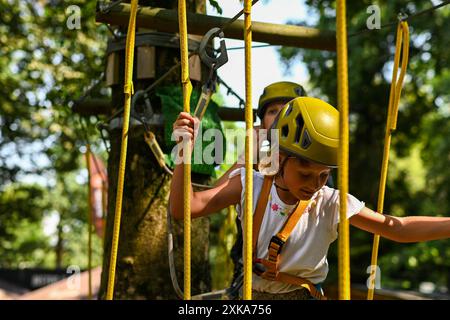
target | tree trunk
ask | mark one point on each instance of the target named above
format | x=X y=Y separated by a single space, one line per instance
x=142 y=270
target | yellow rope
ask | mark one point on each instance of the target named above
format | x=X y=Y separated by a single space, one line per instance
x=128 y=90
x=88 y=165
x=248 y=204
x=104 y=210
x=187 y=90
x=343 y=243
x=391 y=124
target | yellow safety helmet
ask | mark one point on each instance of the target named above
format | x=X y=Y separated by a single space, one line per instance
x=279 y=91
x=309 y=129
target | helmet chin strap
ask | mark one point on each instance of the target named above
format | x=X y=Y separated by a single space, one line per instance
x=279 y=187
x=282 y=175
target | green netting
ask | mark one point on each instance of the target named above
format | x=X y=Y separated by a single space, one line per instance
x=172 y=104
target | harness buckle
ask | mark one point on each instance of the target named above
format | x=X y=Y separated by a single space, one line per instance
x=275 y=239
x=265 y=269
x=258 y=267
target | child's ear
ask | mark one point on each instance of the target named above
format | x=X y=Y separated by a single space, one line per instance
x=282 y=156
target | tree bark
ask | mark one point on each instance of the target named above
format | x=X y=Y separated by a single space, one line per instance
x=142 y=265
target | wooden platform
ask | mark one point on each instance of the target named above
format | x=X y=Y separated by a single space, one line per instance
x=359 y=292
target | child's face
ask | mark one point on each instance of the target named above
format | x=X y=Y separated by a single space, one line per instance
x=271 y=112
x=303 y=178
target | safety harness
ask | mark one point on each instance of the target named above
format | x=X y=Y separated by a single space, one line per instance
x=268 y=268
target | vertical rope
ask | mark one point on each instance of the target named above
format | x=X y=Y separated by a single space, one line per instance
x=88 y=165
x=391 y=124
x=343 y=243
x=104 y=210
x=248 y=203
x=128 y=90
x=187 y=89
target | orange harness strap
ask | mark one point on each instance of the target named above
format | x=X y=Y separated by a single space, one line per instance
x=302 y=282
x=260 y=209
x=270 y=265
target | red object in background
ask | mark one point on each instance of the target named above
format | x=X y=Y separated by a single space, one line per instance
x=99 y=190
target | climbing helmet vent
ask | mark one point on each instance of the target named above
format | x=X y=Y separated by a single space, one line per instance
x=299 y=91
x=289 y=109
x=306 y=139
x=298 y=130
x=285 y=131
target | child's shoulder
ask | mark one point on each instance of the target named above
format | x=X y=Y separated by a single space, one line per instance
x=241 y=171
x=331 y=198
x=331 y=192
x=330 y=195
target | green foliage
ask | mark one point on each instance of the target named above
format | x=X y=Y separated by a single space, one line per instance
x=216 y=6
x=223 y=230
x=76 y=245
x=234 y=149
x=44 y=67
x=27 y=246
x=420 y=141
x=172 y=102
x=21 y=235
x=222 y=238
x=25 y=212
x=72 y=208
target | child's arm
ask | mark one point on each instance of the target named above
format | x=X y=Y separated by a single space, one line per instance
x=402 y=229
x=224 y=178
x=204 y=202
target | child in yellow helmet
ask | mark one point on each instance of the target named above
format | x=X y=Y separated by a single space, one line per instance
x=271 y=101
x=307 y=131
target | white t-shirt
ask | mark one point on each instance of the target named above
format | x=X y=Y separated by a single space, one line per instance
x=305 y=252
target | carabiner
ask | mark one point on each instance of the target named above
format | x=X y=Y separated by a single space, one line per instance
x=213 y=62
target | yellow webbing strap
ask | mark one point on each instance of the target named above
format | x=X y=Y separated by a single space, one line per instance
x=187 y=89
x=248 y=201
x=343 y=242
x=88 y=166
x=292 y=221
x=151 y=141
x=275 y=246
x=128 y=90
x=260 y=209
x=391 y=124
